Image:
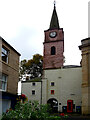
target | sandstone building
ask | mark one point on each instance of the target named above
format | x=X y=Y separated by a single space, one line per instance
x=85 y=49
x=9 y=75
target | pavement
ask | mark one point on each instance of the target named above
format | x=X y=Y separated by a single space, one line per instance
x=77 y=117
x=74 y=116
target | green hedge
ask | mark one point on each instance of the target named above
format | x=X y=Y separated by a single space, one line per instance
x=54 y=118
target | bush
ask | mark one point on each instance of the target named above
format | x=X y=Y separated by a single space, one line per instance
x=54 y=118
x=29 y=110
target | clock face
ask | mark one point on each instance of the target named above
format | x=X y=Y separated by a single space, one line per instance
x=53 y=34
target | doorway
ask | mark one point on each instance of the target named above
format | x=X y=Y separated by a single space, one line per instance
x=53 y=104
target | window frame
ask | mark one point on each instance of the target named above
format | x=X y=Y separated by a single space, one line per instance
x=34 y=92
x=3 y=82
x=33 y=84
x=4 y=53
x=52 y=83
x=52 y=92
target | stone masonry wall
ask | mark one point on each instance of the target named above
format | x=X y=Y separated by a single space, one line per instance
x=85 y=48
x=11 y=69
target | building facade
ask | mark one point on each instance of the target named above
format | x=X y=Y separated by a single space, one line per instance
x=33 y=89
x=9 y=75
x=61 y=85
x=85 y=49
x=53 y=44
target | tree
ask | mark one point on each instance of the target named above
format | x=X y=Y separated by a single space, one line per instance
x=31 y=68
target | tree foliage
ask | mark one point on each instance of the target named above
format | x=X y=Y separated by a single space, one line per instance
x=32 y=67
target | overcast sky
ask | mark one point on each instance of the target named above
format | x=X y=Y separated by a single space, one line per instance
x=22 y=24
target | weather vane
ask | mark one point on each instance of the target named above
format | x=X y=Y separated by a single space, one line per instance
x=54 y=2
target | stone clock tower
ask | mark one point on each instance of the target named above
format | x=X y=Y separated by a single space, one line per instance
x=53 y=44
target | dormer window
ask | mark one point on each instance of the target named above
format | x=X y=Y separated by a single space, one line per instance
x=53 y=50
x=4 y=54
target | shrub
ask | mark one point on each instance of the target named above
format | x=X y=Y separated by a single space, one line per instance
x=54 y=118
x=29 y=110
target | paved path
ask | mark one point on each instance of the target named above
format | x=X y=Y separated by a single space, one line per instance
x=77 y=117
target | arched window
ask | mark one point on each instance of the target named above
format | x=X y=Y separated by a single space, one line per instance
x=53 y=50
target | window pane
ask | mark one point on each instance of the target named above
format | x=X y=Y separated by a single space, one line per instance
x=52 y=83
x=33 y=92
x=0 y=84
x=53 y=50
x=4 y=78
x=3 y=82
x=33 y=84
x=52 y=91
x=3 y=86
x=4 y=51
x=4 y=55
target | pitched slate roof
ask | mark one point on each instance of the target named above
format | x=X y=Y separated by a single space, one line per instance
x=9 y=46
x=37 y=79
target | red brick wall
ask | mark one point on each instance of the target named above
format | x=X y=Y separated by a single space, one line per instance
x=60 y=35
x=53 y=61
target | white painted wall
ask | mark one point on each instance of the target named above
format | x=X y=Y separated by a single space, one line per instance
x=67 y=85
x=44 y=90
x=27 y=90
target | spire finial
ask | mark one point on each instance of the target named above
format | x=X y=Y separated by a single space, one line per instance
x=54 y=24
x=54 y=3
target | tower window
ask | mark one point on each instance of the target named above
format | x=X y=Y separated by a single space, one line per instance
x=53 y=50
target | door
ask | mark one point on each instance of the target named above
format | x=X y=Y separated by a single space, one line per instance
x=53 y=104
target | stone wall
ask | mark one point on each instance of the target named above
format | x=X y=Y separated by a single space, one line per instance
x=85 y=49
x=27 y=88
x=11 y=69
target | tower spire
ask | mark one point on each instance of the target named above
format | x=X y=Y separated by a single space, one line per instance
x=54 y=24
x=54 y=3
